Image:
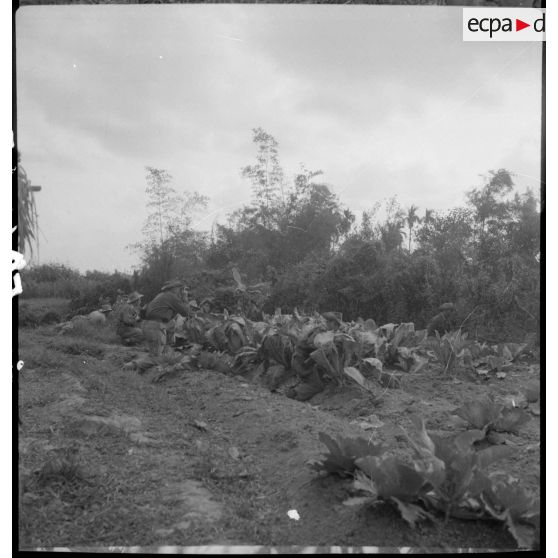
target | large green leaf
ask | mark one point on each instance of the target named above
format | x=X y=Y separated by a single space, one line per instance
x=533 y=391
x=489 y=455
x=355 y=375
x=365 y=342
x=327 y=361
x=401 y=333
x=480 y=413
x=345 y=348
x=343 y=453
x=418 y=365
x=464 y=440
x=323 y=340
x=412 y=513
x=388 y=330
x=279 y=348
x=511 y=420
x=370 y=325
x=506 y=496
x=373 y=363
x=510 y=351
x=392 y=478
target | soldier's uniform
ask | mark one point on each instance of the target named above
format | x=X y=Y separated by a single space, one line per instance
x=99 y=317
x=127 y=321
x=126 y=327
x=160 y=313
x=120 y=301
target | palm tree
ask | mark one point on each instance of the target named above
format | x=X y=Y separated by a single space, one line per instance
x=27 y=225
x=428 y=216
x=410 y=219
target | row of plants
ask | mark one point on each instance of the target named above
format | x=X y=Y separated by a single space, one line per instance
x=358 y=351
x=444 y=476
x=448 y=476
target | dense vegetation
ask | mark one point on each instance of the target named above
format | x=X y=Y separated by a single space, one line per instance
x=312 y=252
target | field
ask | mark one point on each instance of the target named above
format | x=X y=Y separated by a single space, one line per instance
x=110 y=457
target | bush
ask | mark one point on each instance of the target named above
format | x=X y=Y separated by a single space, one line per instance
x=83 y=290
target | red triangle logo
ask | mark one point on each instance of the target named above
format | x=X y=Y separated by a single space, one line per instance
x=519 y=25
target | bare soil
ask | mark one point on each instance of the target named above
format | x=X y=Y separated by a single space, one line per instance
x=107 y=457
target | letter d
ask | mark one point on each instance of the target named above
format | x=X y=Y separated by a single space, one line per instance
x=539 y=28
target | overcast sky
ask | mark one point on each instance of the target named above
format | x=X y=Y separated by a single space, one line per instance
x=386 y=100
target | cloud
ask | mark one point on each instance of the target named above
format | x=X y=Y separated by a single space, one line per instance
x=383 y=99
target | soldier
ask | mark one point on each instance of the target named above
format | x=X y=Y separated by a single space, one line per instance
x=127 y=320
x=307 y=370
x=120 y=301
x=161 y=311
x=443 y=322
x=99 y=317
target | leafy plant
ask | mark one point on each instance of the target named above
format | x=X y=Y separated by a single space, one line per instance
x=451 y=466
x=228 y=335
x=481 y=414
x=533 y=391
x=507 y=501
x=386 y=478
x=511 y=419
x=195 y=330
x=368 y=343
x=374 y=367
x=487 y=415
x=449 y=349
x=446 y=475
x=334 y=352
x=343 y=453
x=277 y=347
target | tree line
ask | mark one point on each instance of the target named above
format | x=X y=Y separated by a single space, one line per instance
x=298 y=236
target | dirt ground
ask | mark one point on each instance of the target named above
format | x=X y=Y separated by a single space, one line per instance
x=107 y=457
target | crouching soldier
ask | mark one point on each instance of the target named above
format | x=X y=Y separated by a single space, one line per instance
x=127 y=321
x=308 y=371
x=161 y=312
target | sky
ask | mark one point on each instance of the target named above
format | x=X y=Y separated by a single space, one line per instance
x=385 y=100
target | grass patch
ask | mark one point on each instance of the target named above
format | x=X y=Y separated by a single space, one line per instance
x=76 y=346
x=41 y=357
x=60 y=470
x=92 y=332
x=32 y=310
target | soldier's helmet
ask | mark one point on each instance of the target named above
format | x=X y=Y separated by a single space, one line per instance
x=134 y=297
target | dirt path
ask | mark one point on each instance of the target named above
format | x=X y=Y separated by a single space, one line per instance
x=110 y=458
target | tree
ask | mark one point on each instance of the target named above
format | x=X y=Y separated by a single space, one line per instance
x=491 y=212
x=410 y=219
x=266 y=177
x=428 y=216
x=170 y=246
x=170 y=213
x=162 y=201
x=390 y=230
x=279 y=230
x=27 y=220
